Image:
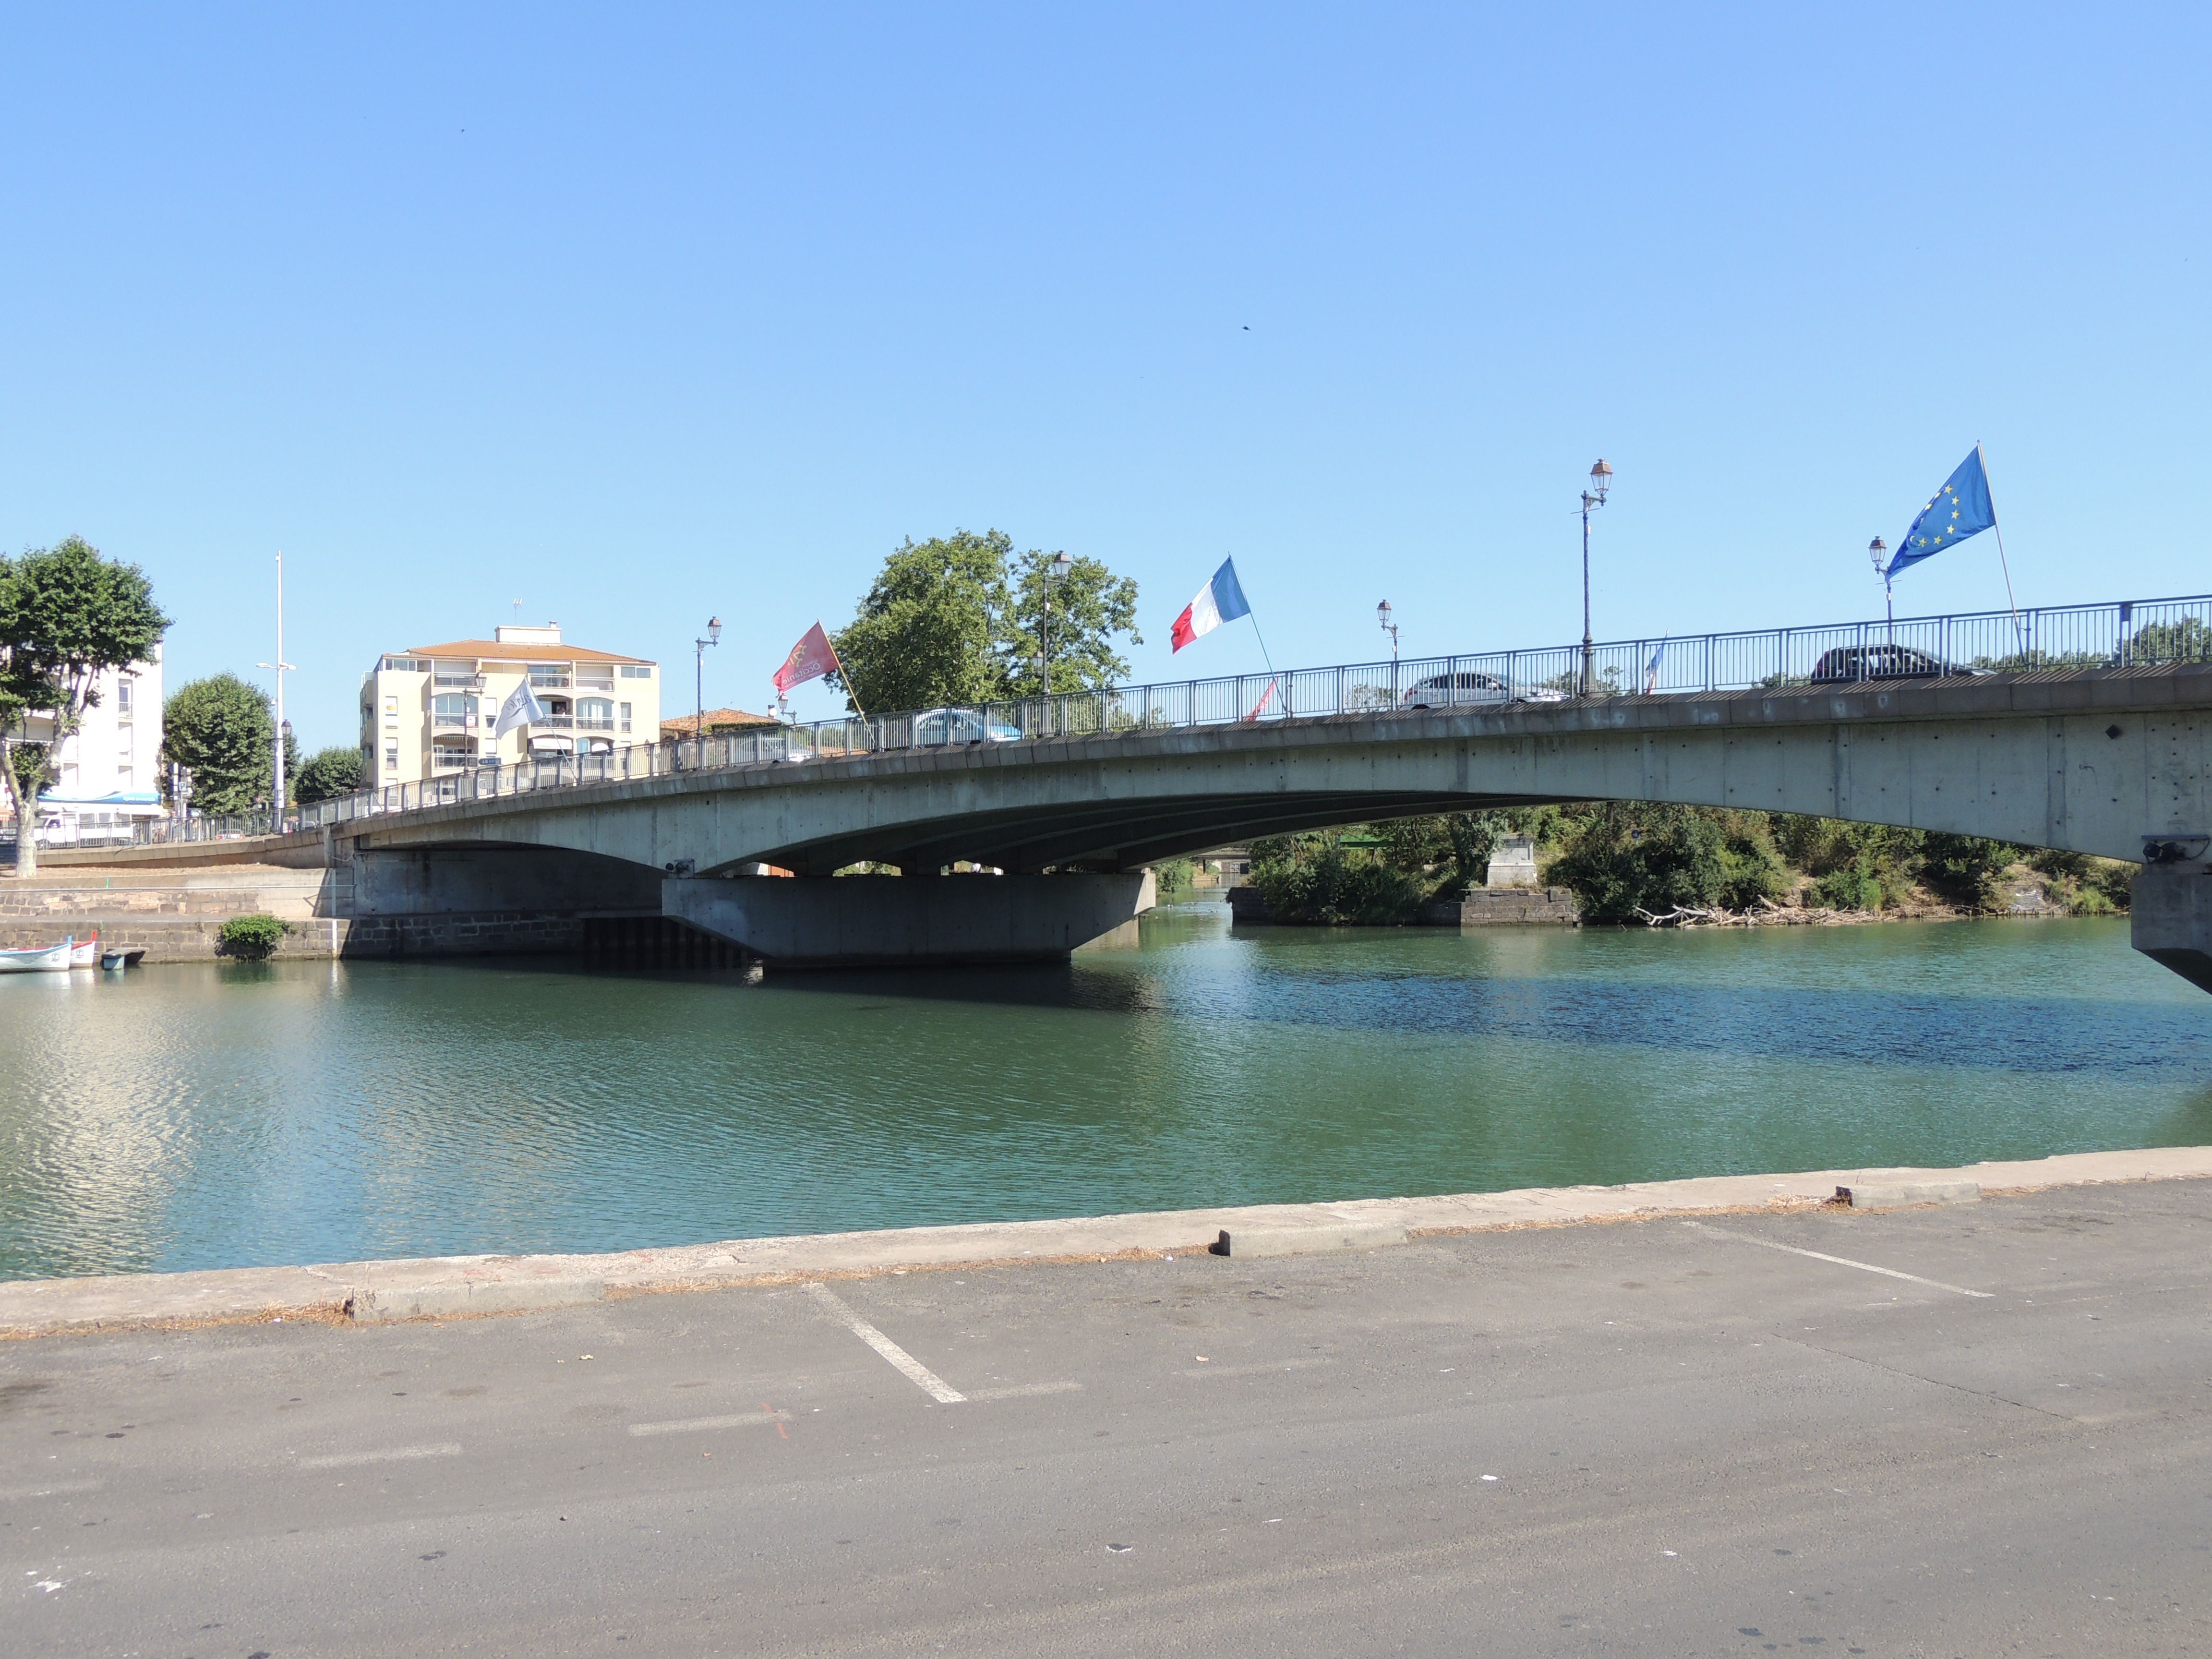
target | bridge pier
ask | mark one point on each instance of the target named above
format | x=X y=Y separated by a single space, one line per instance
x=851 y=921
x=2170 y=912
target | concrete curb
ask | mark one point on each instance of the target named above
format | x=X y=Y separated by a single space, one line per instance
x=460 y=1286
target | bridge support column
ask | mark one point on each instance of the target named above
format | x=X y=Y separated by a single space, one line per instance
x=2171 y=915
x=853 y=921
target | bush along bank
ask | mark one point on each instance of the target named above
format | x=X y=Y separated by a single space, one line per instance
x=1639 y=864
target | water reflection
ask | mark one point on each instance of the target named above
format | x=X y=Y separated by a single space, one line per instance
x=221 y=1115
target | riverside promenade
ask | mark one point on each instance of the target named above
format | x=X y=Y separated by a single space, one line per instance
x=1692 y=1416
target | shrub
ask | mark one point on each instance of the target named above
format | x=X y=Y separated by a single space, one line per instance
x=1334 y=885
x=250 y=937
x=1849 y=889
x=1629 y=857
x=1172 y=878
x=1964 y=869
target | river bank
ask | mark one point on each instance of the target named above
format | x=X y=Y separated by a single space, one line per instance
x=375 y=1292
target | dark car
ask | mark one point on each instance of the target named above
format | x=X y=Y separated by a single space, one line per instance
x=1885 y=662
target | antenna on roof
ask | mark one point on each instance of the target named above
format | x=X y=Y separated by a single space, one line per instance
x=518 y=610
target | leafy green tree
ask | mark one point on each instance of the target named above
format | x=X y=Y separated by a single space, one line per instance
x=1316 y=877
x=958 y=618
x=1089 y=606
x=67 y=616
x=1964 y=869
x=2186 y=640
x=220 y=729
x=1629 y=856
x=324 y=776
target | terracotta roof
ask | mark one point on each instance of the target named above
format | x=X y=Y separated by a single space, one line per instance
x=718 y=719
x=516 y=651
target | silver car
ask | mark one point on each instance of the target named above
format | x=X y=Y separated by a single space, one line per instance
x=1469 y=690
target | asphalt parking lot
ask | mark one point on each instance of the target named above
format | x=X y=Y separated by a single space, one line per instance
x=1964 y=1431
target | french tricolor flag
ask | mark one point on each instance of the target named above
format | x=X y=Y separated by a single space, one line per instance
x=1219 y=601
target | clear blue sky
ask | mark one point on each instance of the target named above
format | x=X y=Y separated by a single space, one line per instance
x=638 y=314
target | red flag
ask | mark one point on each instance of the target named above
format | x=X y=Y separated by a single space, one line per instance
x=809 y=660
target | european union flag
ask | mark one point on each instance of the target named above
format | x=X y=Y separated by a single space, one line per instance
x=1961 y=508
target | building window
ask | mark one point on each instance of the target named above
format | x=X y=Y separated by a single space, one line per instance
x=594 y=715
x=391 y=705
x=625 y=717
x=637 y=671
x=392 y=760
x=123 y=696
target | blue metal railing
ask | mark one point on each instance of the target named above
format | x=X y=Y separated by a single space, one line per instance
x=2143 y=633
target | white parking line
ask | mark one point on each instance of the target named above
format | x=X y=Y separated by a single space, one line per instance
x=1840 y=1261
x=699 y=1425
x=924 y=1378
x=1025 y=1390
x=388 y=1455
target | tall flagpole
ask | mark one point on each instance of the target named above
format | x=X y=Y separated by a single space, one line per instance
x=2004 y=564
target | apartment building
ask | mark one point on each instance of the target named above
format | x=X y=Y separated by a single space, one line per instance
x=107 y=772
x=431 y=711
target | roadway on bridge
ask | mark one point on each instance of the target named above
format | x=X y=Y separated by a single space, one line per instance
x=1649 y=1437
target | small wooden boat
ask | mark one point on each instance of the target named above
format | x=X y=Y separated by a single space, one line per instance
x=116 y=961
x=86 y=954
x=40 y=959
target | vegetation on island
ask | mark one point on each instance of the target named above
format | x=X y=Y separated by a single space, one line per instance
x=221 y=729
x=67 y=616
x=962 y=619
x=1629 y=861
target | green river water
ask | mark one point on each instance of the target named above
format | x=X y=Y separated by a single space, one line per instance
x=221 y=1115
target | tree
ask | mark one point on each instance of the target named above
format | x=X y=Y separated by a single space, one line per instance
x=2186 y=640
x=958 y=619
x=325 y=775
x=67 y=616
x=926 y=629
x=219 y=729
x=1089 y=606
x=1629 y=856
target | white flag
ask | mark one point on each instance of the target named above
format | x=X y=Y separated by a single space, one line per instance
x=521 y=708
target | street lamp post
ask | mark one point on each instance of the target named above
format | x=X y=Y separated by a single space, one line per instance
x=1878 y=551
x=1055 y=572
x=276 y=793
x=699 y=684
x=1601 y=481
x=1383 y=616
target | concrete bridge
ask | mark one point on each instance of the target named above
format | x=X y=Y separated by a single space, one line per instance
x=2107 y=761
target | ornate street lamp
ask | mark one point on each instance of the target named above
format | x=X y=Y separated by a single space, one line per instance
x=699 y=684
x=1383 y=616
x=1601 y=480
x=1056 y=571
x=1878 y=551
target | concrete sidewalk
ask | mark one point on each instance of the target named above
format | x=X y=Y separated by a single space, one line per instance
x=446 y=1286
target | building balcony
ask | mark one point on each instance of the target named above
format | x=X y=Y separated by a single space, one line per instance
x=442 y=680
x=548 y=681
x=453 y=760
x=452 y=723
x=554 y=723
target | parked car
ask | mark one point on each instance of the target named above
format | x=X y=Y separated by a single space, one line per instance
x=935 y=726
x=1885 y=662
x=1467 y=688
